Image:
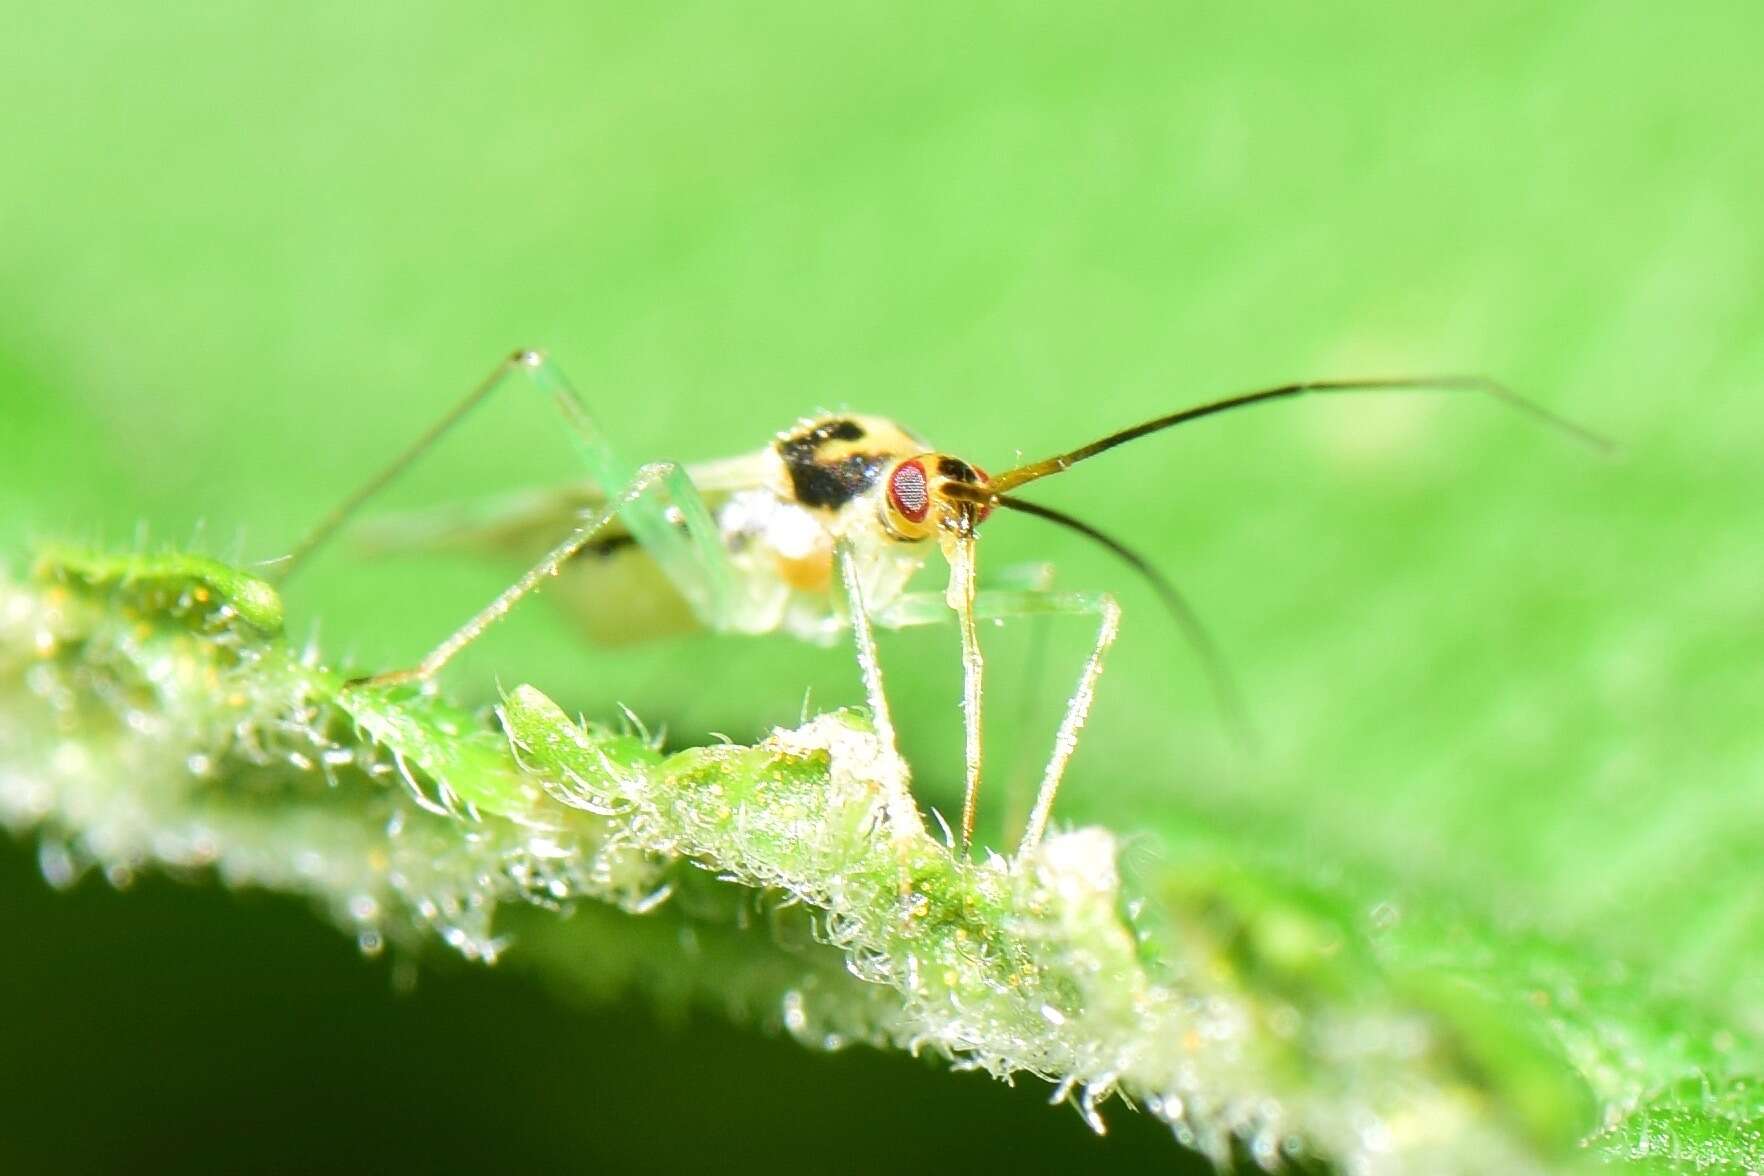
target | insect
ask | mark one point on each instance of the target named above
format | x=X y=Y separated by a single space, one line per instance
x=819 y=533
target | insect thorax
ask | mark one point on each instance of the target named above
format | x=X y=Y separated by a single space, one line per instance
x=830 y=460
x=826 y=489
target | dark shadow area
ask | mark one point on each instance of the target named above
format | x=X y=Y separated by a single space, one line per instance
x=183 y=1027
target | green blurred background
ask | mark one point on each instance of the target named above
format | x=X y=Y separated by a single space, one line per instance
x=247 y=251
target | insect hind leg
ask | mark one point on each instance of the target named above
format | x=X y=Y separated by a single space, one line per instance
x=678 y=531
x=338 y=516
x=649 y=479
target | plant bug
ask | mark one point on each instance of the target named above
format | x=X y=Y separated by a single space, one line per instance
x=821 y=532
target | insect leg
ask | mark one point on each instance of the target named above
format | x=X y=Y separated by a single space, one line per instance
x=648 y=479
x=927 y=608
x=678 y=531
x=960 y=597
x=903 y=813
x=1026 y=577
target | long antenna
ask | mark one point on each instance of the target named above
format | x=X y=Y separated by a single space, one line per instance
x=1012 y=478
x=1224 y=683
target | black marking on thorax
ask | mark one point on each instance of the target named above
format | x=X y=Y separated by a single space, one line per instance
x=957 y=470
x=825 y=471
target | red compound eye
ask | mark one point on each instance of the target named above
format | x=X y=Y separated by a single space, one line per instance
x=910 y=491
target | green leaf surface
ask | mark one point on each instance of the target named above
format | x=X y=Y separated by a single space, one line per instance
x=154 y=722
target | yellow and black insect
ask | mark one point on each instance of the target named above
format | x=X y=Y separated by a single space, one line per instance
x=818 y=533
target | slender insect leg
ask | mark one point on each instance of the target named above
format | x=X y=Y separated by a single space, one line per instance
x=903 y=813
x=694 y=560
x=1108 y=614
x=960 y=598
x=333 y=520
x=930 y=608
x=648 y=479
x=869 y=663
x=677 y=530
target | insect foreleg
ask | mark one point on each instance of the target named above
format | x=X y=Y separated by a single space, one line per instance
x=1102 y=606
x=648 y=479
x=960 y=597
x=929 y=608
x=903 y=813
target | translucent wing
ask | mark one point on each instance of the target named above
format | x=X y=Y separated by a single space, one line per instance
x=613 y=589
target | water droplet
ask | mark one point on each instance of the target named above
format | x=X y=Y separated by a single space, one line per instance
x=57 y=864
x=795 y=1014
